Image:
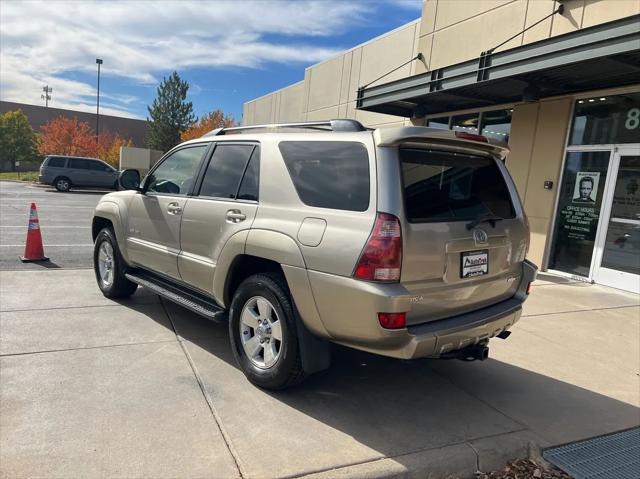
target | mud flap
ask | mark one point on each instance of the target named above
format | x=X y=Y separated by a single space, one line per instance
x=314 y=352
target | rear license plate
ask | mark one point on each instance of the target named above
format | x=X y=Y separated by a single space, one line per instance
x=474 y=263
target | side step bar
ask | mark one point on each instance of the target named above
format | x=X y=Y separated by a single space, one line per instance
x=197 y=303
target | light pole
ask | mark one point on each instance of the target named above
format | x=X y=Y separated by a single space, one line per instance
x=46 y=96
x=99 y=62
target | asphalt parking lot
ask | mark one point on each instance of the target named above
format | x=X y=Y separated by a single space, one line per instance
x=142 y=388
x=65 y=223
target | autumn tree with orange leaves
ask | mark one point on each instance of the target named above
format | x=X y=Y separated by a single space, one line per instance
x=208 y=122
x=69 y=136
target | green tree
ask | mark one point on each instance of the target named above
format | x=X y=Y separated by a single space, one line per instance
x=17 y=139
x=170 y=114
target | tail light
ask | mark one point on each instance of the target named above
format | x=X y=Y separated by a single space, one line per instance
x=471 y=136
x=381 y=259
x=392 y=320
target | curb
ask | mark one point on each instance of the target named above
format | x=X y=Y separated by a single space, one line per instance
x=20 y=181
x=460 y=460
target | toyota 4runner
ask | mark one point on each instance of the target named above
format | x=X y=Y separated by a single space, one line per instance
x=406 y=242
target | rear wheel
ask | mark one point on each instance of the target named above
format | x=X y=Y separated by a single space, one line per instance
x=262 y=328
x=109 y=267
x=62 y=183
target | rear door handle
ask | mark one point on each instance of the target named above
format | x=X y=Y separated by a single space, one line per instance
x=174 y=208
x=235 y=216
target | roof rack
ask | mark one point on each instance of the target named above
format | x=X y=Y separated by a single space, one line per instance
x=327 y=125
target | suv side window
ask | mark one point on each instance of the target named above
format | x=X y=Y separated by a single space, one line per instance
x=227 y=165
x=329 y=174
x=176 y=173
x=251 y=179
x=56 y=162
x=98 y=166
x=79 y=163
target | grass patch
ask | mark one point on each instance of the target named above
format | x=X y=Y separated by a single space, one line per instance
x=23 y=175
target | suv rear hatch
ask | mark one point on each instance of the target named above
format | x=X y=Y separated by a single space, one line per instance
x=453 y=261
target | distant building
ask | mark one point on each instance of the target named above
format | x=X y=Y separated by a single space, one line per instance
x=40 y=115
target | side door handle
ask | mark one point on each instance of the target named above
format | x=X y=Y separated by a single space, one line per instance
x=174 y=208
x=235 y=216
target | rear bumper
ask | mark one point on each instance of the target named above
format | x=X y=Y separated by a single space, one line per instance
x=348 y=309
x=451 y=334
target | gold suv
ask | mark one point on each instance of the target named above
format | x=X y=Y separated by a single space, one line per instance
x=407 y=242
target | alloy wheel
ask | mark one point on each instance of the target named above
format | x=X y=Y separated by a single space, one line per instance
x=261 y=332
x=106 y=263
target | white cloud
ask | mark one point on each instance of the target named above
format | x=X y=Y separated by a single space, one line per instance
x=138 y=40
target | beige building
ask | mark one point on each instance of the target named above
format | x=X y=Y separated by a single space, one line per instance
x=559 y=81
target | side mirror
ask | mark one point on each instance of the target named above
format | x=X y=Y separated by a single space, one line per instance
x=129 y=180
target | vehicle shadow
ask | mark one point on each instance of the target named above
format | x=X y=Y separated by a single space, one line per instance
x=366 y=403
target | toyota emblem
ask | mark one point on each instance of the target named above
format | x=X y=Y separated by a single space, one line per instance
x=480 y=236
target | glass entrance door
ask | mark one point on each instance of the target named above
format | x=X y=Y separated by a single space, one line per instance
x=617 y=252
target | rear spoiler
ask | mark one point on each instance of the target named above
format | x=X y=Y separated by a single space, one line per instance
x=438 y=137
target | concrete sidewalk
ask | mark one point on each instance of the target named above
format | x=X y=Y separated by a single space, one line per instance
x=143 y=388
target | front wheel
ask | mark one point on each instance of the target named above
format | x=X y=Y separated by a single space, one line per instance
x=262 y=327
x=109 y=267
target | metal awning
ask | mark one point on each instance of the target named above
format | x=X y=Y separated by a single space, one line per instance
x=603 y=56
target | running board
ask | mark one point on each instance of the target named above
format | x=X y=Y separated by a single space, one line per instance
x=182 y=296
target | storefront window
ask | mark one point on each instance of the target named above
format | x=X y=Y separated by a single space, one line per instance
x=497 y=124
x=606 y=120
x=439 y=123
x=579 y=207
x=622 y=244
x=468 y=123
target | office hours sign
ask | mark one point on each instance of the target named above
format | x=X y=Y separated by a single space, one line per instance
x=580 y=215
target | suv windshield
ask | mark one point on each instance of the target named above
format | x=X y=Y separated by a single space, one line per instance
x=447 y=186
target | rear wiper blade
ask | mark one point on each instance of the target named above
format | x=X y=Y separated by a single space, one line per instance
x=491 y=219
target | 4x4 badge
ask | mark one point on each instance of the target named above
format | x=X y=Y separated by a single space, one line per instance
x=480 y=236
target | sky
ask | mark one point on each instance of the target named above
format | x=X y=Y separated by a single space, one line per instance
x=230 y=52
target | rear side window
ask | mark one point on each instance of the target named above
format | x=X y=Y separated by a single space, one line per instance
x=446 y=186
x=98 y=166
x=249 y=186
x=78 y=163
x=225 y=170
x=329 y=174
x=56 y=162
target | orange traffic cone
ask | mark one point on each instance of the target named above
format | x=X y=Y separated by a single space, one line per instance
x=33 y=250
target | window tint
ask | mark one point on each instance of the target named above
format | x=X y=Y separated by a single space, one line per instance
x=439 y=123
x=225 y=169
x=176 y=173
x=329 y=174
x=468 y=123
x=497 y=124
x=606 y=119
x=79 y=164
x=56 y=162
x=98 y=166
x=442 y=186
x=249 y=186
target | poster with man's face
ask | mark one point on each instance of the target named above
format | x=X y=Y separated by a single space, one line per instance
x=586 y=187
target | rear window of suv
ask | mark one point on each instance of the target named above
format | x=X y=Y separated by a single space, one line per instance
x=329 y=174
x=446 y=186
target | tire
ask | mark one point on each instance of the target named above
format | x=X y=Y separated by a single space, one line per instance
x=62 y=184
x=109 y=267
x=276 y=363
